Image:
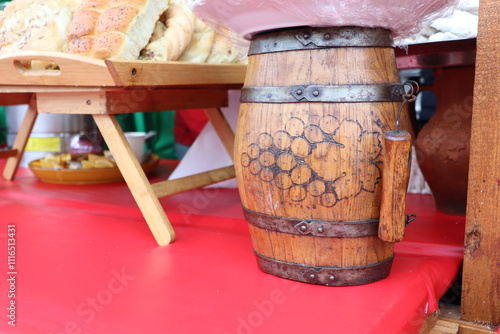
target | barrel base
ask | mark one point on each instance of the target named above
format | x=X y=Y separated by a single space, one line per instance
x=329 y=276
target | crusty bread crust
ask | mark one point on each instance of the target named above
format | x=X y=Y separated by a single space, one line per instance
x=180 y=35
x=108 y=29
x=179 y=24
x=223 y=51
x=73 y=4
x=200 y=45
x=34 y=25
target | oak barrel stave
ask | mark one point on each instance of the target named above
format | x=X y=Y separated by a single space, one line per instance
x=316 y=161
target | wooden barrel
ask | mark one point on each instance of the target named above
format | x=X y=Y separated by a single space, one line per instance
x=309 y=151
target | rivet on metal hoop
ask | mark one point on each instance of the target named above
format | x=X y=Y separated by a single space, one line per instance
x=327 y=36
x=303 y=228
x=332 y=278
x=316 y=93
x=312 y=276
x=299 y=92
x=320 y=229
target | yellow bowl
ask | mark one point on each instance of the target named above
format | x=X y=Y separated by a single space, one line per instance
x=87 y=176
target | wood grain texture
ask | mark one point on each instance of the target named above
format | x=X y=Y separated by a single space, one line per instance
x=83 y=102
x=72 y=70
x=298 y=130
x=445 y=327
x=123 y=101
x=135 y=178
x=451 y=322
x=152 y=73
x=314 y=251
x=396 y=174
x=21 y=140
x=145 y=100
x=316 y=161
x=429 y=323
x=175 y=186
x=481 y=274
x=76 y=70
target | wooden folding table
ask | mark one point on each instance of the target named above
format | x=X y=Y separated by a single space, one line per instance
x=69 y=84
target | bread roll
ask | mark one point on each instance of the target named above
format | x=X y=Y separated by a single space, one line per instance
x=201 y=43
x=73 y=4
x=181 y=36
x=34 y=25
x=108 y=29
x=223 y=51
x=180 y=26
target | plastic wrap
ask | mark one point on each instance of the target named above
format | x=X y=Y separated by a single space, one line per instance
x=462 y=24
x=247 y=17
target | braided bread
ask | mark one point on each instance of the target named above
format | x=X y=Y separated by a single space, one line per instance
x=179 y=24
x=223 y=51
x=181 y=36
x=201 y=43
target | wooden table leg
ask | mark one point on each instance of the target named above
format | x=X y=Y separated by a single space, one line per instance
x=136 y=179
x=22 y=137
x=222 y=128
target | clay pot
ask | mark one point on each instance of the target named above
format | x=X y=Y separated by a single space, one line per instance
x=443 y=144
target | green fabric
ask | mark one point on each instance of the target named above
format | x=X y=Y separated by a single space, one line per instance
x=161 y=122
x=3 y=127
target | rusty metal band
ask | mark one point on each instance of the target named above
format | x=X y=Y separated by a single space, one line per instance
x=313 y=227
x=390 y=92
x=307 y=38
x=330 y=276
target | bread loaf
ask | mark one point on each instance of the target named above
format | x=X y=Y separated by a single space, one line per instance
x=108 y=29
x=180 y=25
x=73 y=4
x=29 y=25
x=223 y=51
x=113 y=29
x=200 y=45
x=181 y=36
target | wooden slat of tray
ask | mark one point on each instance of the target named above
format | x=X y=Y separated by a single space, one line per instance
x=73 y=70
x=129 y=100
x=83 y=71
x=151 y=73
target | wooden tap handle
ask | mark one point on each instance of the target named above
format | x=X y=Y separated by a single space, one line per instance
x=395 y=177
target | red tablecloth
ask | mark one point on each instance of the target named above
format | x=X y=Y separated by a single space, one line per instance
x=86 y=262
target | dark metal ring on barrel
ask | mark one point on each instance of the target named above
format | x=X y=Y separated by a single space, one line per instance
x=324 y=93
x=314 y=227
x=307 y=38
x=330 y=276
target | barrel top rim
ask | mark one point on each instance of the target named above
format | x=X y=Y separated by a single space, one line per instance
x=310 y=38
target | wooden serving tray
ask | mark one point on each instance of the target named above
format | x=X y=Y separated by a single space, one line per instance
x=83 y=85
x=75 y=70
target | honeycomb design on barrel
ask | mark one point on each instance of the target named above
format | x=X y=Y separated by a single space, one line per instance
x=326 y=158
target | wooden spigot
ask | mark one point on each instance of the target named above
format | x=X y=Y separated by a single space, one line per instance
x=396 y=174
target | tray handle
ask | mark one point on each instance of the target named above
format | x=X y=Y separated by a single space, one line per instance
x=53 y=68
